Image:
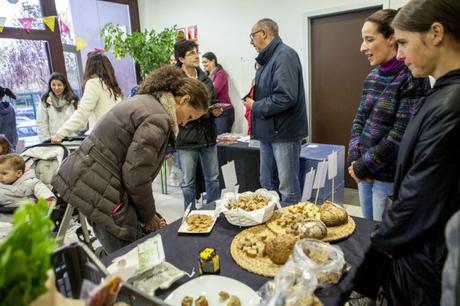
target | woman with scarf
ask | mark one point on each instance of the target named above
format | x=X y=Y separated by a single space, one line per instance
x=56 y=107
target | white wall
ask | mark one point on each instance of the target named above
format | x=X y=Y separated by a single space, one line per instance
x=224 y=26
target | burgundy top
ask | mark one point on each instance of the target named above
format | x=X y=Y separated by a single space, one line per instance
x=220 y=82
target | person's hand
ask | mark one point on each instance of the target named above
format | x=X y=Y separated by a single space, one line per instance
x=51 y=202
x=155 y=223
x=56 y=139
x=248 y=102
x=355 y=177
x=352 y=173
x=217 y=111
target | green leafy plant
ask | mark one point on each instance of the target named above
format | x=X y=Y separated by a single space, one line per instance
x=149 y=49
x=25 y=255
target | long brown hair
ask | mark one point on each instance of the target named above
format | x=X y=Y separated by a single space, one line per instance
x=172 y=79
x=419 y=15
x=97 y=64
x=68 y=93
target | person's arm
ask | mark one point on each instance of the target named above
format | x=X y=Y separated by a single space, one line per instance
x=386 y=150
x=43 y=122
x=425 y=188
x=285 y=85
x=87 y=104
x=42 y=191
x=141 y=159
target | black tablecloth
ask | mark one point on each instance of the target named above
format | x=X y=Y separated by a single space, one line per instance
x=247 y=161
x=182 y=251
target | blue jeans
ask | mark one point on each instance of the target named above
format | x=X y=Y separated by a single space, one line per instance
x=279 y=169
x=225 y=121
x=188 y=160
x=373 y=198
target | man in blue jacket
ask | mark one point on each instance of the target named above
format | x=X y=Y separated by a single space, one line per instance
x=278 y=111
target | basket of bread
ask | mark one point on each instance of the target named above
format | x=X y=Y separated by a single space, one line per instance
x=249 y=208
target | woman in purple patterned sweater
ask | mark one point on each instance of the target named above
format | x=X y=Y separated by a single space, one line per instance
x=389 y=94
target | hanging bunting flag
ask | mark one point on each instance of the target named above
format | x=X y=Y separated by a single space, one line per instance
x=26 y=23
x=80 y=43
x=2 y=23
x=50 y=22
x=63 y=27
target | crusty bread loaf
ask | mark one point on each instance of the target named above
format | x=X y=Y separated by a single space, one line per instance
x=279 y=248
x=332 y=214
x=314 y=229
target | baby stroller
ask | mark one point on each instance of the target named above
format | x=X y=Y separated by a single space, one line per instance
x=45 y=159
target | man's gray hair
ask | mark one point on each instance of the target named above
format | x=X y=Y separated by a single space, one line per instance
x=268 y=25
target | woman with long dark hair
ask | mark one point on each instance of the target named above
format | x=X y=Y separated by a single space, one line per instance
x=100 y=93
x=57 y=105
x=219 y=79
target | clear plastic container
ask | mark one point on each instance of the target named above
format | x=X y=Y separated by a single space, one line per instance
x=324 y=260
x=292 y=285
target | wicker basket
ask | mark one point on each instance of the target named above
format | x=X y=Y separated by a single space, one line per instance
x=240 y=217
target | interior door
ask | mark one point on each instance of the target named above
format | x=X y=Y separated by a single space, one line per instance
x=338 y=70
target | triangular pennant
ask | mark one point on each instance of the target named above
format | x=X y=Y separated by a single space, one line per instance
x=50 y=22
x=63 y=27
x=26 y=23
x=2 y=23
x=80 y=43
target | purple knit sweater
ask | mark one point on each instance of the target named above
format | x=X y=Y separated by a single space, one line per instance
x=389 y=94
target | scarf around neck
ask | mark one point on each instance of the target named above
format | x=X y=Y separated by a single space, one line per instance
x=57 y=103
x=168 y=102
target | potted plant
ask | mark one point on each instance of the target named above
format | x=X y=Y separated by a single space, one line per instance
x=25 y=255
x=148 y=49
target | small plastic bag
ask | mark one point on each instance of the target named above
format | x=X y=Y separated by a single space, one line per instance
x=292 y=286
x=324 y=260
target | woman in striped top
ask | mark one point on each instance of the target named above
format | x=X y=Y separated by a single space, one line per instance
x=389 y=94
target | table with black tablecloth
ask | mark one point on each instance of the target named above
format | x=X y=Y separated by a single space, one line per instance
x=182 y=251
x=247 y=163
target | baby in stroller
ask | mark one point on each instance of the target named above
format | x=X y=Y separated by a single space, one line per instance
x=18 y=185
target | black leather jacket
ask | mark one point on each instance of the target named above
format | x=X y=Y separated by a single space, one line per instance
x=426 y=187
x=201 y=132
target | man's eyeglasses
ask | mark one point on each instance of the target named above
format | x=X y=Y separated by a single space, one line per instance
x=251 y=36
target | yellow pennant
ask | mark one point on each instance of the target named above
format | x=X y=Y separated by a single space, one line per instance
x=2 y=23
x=50 y=22
x=80 y=43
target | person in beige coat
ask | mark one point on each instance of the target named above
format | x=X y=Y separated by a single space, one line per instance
x=101 y=93
x=109 y=178
x=57 y=105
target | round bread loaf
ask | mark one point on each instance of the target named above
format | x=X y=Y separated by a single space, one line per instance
x=332 y=214
x=279 y=248
x=314 y=229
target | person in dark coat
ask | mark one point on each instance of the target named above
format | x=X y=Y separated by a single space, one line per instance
x=278 y=111
x=196 y=142
x=109 y=178
x=8 y=117
x=426 y=186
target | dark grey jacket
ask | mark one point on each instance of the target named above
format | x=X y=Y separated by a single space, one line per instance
x=117 y=164
x=279 y=111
